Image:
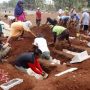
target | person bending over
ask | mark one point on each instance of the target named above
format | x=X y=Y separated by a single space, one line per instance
x=51 y=21
x=17 y=29
x=60 y=33
x=30 y=60
x=41 y=43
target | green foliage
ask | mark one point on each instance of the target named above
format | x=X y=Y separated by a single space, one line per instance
x=88 y=3
x=40 y=3
x=69 y=3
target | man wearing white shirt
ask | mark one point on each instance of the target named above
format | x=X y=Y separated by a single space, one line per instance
x=41 y=43
x=85 y=20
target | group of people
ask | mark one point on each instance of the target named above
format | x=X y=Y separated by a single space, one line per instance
x=19 y=25
x=78 y=19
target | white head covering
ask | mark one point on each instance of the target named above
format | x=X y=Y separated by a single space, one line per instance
x=27 y=25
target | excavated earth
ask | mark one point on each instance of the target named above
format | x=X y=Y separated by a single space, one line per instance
x=77 y=80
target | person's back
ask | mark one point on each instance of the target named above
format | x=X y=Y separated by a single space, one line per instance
x=51 y=21
x=86 y=18
x=41 y=43
x=16 y=28
x=24 y=59
x=65 y=17
x=17 y=25
x=38 y=17
x=58 y=29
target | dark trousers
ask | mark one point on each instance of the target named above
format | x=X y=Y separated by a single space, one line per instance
x=64 y=35
x=38 y=21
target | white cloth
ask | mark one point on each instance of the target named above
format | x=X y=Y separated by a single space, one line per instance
x=11 y=17
x=27 y=25
x=86 y=18
x=5 y=28
x=64 y=17
x=41 y=43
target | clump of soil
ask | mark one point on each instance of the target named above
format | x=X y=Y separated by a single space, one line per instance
x=78 y=80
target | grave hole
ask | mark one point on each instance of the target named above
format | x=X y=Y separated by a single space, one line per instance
x=62 y=58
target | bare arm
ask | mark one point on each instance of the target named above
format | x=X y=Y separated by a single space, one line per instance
x=32 y=33
x=8 y=39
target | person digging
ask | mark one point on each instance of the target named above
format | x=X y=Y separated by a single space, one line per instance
x=60 y=33
x=17 y=30
x=51 y=21
x=29 y=60
x=45 y=56
x=4 y=50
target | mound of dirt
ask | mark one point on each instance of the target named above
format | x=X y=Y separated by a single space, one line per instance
x=78 y=80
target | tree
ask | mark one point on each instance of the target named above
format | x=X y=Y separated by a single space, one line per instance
x=57 y=4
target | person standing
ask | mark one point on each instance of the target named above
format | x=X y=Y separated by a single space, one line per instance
x=85 y=20
x=38 y=17
x=19 y=11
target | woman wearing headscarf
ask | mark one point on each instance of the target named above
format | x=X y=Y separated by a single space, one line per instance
x=19 y=11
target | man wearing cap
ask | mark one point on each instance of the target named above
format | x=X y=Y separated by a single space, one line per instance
x=38 y=17
x=17 y=29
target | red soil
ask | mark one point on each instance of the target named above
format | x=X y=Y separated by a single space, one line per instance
x=78 y=80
